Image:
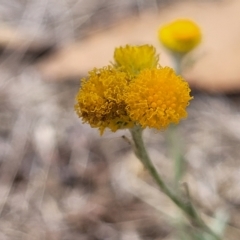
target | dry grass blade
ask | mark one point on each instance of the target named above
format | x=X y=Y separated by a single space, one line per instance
x=19 y=143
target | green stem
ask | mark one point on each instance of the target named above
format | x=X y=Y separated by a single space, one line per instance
x=175 y=147
x=186 y=207
x=177 y=60
x=175 y=151
x=142 y=154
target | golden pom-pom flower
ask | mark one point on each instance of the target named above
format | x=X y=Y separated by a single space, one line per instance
x=135 y=58
x=180 y=36
x=157 y=97
x=100 y=99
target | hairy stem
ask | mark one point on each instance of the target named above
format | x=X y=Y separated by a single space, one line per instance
x=185 y=206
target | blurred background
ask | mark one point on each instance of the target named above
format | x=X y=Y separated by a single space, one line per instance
x=59 y=180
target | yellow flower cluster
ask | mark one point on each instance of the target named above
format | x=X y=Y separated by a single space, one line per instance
x=157 y=97
x=180 y=36
x=100 y=100
x=134 y=91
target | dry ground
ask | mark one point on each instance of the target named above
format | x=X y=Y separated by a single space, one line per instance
x=59 y=180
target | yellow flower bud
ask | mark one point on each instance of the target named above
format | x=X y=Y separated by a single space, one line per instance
x=180 y=36
x=136 y=58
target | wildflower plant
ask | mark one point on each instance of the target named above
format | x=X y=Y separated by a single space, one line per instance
x=135 y=93
x=179 y=37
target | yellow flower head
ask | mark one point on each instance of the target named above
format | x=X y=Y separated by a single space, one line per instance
x=136 y=58
x=157 y=97
x=100 y=99
x=180 y=36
